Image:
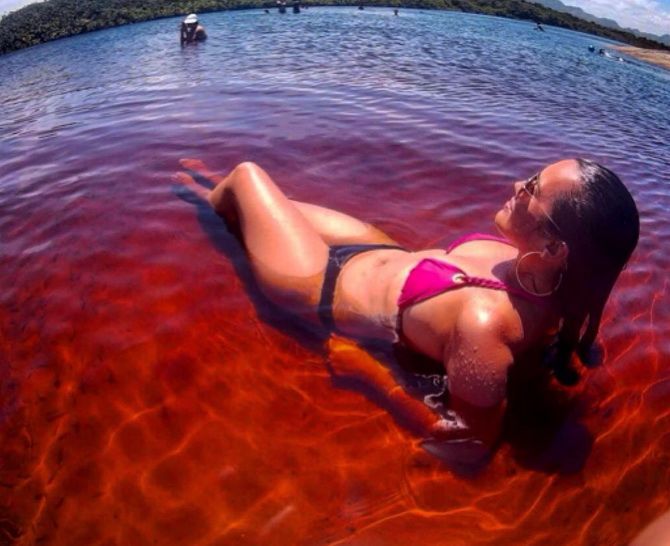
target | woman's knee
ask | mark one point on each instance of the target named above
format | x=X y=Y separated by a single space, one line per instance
x=246 y=169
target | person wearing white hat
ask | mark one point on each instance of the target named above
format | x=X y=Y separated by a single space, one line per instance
x=192 y=31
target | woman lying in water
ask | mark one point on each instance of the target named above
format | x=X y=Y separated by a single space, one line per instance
x=475 y=307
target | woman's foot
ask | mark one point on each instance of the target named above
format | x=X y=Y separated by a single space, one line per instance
x=201 y=169
x=217 y=197
x=189 y=182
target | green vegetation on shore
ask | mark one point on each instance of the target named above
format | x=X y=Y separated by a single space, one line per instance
x=52 y=19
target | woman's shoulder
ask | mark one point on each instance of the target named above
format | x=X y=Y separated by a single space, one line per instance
x=493 y=318
x=479 y=355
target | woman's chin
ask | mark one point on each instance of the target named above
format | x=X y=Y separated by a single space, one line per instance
x=501 y=220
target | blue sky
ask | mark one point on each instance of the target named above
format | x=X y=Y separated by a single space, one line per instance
x=646 y=15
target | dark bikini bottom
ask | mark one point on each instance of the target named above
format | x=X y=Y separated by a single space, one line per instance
x=337 y=257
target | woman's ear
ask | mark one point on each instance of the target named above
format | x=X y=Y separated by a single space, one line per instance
x=556 y=251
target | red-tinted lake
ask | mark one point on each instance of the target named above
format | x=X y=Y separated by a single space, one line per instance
x=147 y=396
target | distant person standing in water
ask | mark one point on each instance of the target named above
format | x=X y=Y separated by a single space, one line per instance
x=192 y=31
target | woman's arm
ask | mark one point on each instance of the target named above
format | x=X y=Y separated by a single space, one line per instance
x=477 y=361
x=463 y=437
x=354 y=368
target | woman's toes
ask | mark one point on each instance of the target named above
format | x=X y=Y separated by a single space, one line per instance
x=198 y=167
x=193 y=164
x=187 y=181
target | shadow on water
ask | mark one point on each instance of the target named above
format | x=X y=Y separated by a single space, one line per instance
x=541 y=424
x=421 y=377
x=542 y=421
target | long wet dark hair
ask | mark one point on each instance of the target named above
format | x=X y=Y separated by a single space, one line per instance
x=600 y=224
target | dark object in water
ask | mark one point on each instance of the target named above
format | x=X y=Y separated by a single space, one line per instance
x=267 y=11
x=395 y=12
x=282 y=6
x=296 y=7
x=361 y=7
x=592 y=48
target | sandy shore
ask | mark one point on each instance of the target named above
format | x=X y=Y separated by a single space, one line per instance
x=654 y=56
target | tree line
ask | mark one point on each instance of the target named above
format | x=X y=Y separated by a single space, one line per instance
x=53 y=19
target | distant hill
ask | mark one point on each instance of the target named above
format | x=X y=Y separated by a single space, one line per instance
x=603 y=21
x=52 y=19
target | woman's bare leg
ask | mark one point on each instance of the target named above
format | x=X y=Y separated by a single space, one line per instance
x=335 y=228
x=287 y=254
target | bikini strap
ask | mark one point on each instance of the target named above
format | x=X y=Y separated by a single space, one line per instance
x=499 y=285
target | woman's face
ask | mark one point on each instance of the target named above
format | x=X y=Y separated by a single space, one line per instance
x=522 y=217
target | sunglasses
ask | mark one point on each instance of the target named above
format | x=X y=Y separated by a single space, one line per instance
x=530 y=187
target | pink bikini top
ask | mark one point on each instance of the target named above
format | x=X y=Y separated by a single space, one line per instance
x=431 y=277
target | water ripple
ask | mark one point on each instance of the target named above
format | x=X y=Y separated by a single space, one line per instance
x=141 y=393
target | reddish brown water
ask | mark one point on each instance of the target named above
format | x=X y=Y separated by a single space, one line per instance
x=149 y=396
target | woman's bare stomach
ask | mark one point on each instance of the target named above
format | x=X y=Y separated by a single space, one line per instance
x=368 y=288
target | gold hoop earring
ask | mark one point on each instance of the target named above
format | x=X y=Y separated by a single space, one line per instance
x=532 y=292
